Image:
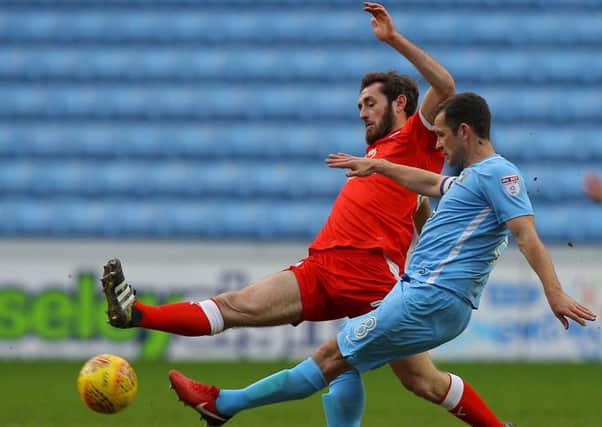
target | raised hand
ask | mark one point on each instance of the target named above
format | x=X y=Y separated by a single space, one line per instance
x=381 y=21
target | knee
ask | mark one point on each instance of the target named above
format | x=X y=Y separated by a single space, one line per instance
x=235 y=304
x=420 y=385
x=329 y=359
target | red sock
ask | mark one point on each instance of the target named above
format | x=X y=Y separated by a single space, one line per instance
x=465 y=403
x=182 y=318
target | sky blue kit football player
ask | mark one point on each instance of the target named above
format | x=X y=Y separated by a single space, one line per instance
x=445 y=277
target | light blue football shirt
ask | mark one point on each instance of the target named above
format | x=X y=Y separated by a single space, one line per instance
x=467 y=233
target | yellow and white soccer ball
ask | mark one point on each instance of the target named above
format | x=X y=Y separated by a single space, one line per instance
x=107 y=383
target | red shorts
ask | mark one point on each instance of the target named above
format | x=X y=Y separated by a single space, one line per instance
x=342 y=282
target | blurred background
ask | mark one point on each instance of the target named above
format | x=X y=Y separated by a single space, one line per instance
x=188 y=137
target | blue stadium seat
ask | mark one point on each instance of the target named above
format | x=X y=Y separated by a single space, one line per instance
x=578 y=223
x=277 y=64
x=420 y=4
x=172 y=119
x=310 y=102
x=555 y=224
x=204 y=141
x=196 y=220
x=66 y=178
x=220 y=26
x=557 y=183
x=16 y=178
x=172 y=178
x=83 y=218
x=26 y=218
x=549 y=142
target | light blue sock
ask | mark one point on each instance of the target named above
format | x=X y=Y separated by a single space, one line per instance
x=344 y=404
x=301 y=381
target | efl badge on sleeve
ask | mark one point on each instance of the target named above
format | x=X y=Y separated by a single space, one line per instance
x=511 y=185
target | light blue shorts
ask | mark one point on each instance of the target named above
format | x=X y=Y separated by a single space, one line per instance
x=413 y=318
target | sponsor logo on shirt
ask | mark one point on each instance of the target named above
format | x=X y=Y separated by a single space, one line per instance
x=511 y=184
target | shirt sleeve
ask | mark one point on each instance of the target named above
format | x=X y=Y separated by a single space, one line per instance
x=421 y=131
x=504 y=188
x=446 y=184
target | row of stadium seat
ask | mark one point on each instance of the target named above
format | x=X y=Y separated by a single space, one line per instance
x=267 y=141
x=424 y=4
x=188 y=119
x=177 y=179
x=230 y=179
x=477 y=4
x=158 y=219
x=274 y=64
x=233 y=219
x=269 y=26
x=257 y=102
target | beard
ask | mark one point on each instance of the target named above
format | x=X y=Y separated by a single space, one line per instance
x=381 y=129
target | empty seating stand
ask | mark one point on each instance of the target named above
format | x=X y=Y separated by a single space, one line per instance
x=210 y=120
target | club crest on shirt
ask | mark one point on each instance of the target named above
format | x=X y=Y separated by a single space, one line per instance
x=511 y=184
x=371 y=153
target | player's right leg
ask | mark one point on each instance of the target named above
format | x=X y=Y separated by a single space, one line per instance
x=217 y=405
x=274 y=300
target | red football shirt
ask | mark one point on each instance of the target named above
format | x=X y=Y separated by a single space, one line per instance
x=375 y=212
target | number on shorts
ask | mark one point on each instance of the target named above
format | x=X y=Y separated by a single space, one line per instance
x=365 y=326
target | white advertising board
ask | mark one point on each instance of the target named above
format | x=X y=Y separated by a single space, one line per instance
x=51 y=305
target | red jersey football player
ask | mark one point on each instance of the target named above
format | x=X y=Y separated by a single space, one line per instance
x=356 y=258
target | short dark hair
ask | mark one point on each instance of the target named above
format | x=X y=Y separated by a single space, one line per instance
x=394 y=84
x=468 y=108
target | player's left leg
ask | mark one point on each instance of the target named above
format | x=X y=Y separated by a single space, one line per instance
x=418 y=374
x=345 y=401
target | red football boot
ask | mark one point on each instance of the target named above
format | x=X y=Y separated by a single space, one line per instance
x=199 y=397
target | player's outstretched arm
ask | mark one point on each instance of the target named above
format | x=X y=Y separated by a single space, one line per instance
x=441 y=81
x=418 y=180
x=563 y=306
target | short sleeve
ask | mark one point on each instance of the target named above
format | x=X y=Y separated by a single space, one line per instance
x=422 y=131
x=505 y=189
x=446 y=184
x=427 y=155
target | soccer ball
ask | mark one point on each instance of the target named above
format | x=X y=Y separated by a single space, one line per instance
x=107 y=383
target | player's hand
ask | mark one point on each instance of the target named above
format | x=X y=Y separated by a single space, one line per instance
x=381 y=21
x=593 y=187
x=564 y=306
x=358 y=166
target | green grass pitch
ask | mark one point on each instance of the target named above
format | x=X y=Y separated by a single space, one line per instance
x=532 y=395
